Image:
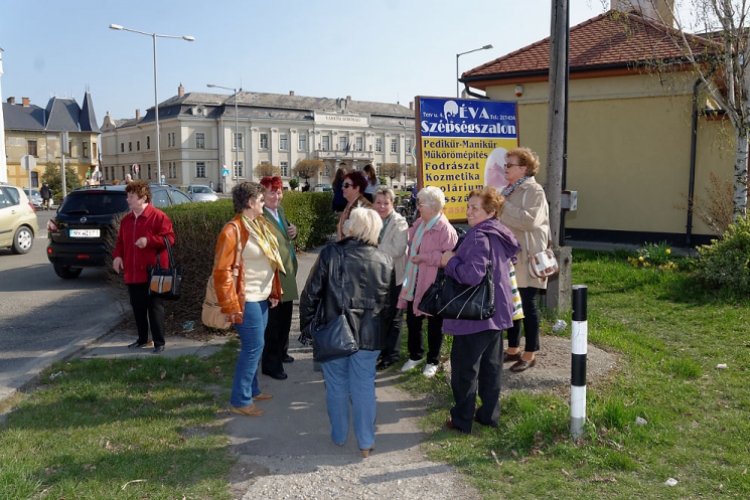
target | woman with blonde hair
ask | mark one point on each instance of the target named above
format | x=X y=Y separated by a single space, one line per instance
x=526 y=213
x=372 y=182
x=354 y=278
x=246 y=296
x=477 y=344
x=429 y=237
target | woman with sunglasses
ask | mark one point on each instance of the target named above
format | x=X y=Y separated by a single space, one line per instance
x=526 y=214
x=354 y=187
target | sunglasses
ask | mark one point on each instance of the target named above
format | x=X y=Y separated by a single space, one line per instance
x=347 y=185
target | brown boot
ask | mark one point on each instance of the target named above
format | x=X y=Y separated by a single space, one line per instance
x=248 y=411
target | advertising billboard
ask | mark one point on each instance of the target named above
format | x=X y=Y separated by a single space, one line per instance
x=462 y=145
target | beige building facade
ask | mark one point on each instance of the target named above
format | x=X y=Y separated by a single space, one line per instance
x=199 y=141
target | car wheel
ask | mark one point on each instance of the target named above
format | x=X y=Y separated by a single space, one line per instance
x=23 y=240
x=67 y=272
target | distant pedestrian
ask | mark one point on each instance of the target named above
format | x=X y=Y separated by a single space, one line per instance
x=128 y=179
x=339 y=202
x=46 y=193
x=372 y=183
x=306 y=187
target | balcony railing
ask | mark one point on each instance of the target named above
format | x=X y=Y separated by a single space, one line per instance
x=340 y=154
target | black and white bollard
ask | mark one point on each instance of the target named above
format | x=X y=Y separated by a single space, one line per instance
x=579 y=342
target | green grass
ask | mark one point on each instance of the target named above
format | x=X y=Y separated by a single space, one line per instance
x=93 y=426
x=670 y=335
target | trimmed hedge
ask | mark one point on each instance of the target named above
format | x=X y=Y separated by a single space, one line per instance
x=197 y=227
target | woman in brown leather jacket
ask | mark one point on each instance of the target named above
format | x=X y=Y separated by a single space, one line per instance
x=246 y=288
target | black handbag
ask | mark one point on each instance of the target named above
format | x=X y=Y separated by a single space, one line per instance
x=165 y=282
x=449 y=299
x=334 y=339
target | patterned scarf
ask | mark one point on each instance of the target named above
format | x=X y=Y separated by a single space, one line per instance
x=410 y=279
x=260 y=231
x=509 y=190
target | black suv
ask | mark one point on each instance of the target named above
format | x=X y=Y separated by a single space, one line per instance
x=78 y=234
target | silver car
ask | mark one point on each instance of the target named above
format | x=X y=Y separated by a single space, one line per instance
x=199 y=192
x=35 y=197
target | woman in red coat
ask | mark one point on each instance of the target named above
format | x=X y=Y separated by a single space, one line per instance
x=141 y=236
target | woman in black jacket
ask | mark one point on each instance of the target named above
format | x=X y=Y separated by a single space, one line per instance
x=353 y=276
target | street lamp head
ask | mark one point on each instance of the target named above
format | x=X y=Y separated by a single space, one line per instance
x=115 y=27
x=192 y=38
x=210 y=85
x=486 y=47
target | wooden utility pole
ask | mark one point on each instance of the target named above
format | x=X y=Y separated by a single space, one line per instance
x=558 y=287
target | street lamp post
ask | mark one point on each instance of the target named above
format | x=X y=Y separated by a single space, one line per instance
x=235 y=175
x=154 y=36
x=486 y=47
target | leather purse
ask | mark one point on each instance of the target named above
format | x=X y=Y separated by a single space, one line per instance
x=165 y=282
x=211 y=315
x=335 y=339
x=449 y=299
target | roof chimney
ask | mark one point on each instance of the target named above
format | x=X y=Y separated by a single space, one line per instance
x=411 y=105
x=25 y=101
x=291 y=92
x=137 y=114
x=348 y=98
x=11 y=100
x=180 y=91
x=655 y=10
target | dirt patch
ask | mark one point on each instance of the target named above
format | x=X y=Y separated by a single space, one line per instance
x=243 y=475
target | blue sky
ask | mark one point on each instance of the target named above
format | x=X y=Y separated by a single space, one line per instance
x=378 y=50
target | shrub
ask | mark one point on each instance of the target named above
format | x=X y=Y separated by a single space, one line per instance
x=724 y=263
x=654 y=254
x=311 y=213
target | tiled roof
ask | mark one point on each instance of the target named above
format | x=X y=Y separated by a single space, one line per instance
x=612 y=39
x=19 y=117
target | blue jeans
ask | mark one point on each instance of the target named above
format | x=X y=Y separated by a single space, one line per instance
x=251 y=330
x=352 y=378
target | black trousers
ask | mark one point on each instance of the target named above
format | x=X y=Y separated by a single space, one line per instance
x=416 y=335
x=148 y=311
x=391 y=353
x=476 y=366
x=530 y=322
x=277 y=337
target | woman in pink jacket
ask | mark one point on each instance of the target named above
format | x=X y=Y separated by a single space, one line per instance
x=429 y=237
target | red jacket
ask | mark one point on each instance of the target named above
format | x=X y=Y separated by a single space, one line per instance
x=154 y=225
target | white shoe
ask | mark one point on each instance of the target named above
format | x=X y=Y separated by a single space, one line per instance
x=430 y=370
x=410 y=364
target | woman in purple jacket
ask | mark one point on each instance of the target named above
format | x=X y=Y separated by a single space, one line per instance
x=476 y=361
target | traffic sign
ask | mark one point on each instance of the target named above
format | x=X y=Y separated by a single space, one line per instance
x=28 y=162
x=136 y=168
x=225 y=172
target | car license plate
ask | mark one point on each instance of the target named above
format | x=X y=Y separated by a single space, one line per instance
x=84 y=233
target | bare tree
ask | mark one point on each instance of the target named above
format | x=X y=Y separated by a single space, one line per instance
x=308 y=168
x=411 y=172
x=267 y=170
x=391 y=170
x=721 y=60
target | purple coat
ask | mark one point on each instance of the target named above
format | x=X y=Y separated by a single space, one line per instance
x=469 y=265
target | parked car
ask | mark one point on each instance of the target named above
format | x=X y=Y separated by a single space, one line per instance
x=18 y=225
x=199 y=192
x=82 y=231
x=35 y=197
x=323 y=188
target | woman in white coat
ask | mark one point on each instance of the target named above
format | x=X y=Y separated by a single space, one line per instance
x=526 y=214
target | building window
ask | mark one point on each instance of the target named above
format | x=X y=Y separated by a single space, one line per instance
x=238 y=169
x=70 y=147
x=35 y=179
x=285 y=169
x=394 y=146
x=200 y=169
x=148 y=142
x=137 y=145
x=326 y=143
x=95 y=150
x=31 y=148
x=328 y=170
x=302 y=146
x=359 y=144
x=130 y=146
x=377 y=168
x=263 y=141
x=283 y=142
x=408 y=145
x=342 y=143
x=122 y=147
x=149 y=171
x=238 y=141
x=200 y=141
x=379 y=145
x=85 y=149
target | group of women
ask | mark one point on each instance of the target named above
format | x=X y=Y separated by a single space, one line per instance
x=377 y=268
